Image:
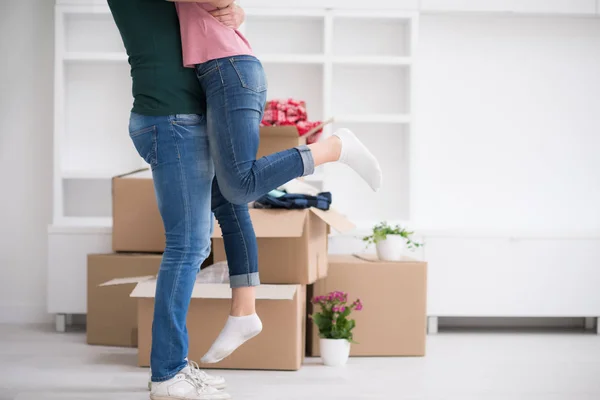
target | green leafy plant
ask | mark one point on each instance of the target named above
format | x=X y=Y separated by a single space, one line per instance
x=383 y=229
x=334 y=320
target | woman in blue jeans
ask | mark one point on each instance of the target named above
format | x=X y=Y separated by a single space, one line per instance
x=205 y=164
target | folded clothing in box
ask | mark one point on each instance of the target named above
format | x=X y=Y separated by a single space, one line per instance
x=294 y=201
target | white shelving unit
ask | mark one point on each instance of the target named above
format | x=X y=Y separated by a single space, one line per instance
x=345 y=61
x=349 y=64
x=356 y=66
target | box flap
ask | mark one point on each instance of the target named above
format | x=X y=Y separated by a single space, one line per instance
x=221 y=291
x=125 y=281
x=142 y=173
x=287 y=131
x=274 y=223
x=334 y=219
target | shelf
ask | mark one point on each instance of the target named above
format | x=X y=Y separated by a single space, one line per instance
x=94 y=174
x=95 y=57
x=292 y=58
x=76 y=223
x=91 y=32
x=372 y=60
x=268 y=10
x=84 y=7
x=87 y=198
x=97 y=108
x=374 y=89
x=371 y=36
x=375 y=118
x=297 y=81
x=301 y=35
x=385 y=14
x=102 y=227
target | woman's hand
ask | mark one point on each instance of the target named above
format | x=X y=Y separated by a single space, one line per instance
x=221 y=3
x=231 y=16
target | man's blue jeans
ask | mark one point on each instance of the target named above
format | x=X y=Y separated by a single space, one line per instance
x=202 y=166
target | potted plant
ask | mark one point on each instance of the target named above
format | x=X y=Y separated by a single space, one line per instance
x=391 y=241
x=335 y=326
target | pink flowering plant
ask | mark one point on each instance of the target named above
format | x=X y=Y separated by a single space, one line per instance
x=334 y=320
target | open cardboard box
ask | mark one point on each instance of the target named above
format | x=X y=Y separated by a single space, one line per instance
x=292 y=244
x=282 y=309
x=111 y=314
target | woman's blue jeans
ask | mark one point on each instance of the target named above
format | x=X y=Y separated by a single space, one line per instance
x=205 y=164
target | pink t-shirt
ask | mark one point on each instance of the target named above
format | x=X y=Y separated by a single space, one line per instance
x=204 y=38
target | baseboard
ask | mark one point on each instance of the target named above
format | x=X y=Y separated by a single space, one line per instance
x=24 y=314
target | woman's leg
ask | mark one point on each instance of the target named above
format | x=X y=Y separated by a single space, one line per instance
x=242 y=258
x=235 y=91
x=177 y=149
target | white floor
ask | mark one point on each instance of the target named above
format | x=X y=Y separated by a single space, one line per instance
x=36 y=363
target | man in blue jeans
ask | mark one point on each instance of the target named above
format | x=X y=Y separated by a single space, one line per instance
x=185 y=150
x=168 y=128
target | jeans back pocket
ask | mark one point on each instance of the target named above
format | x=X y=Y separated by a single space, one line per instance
x=251 y=73
x=144 y=141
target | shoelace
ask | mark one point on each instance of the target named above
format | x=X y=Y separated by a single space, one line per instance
x=199 y=377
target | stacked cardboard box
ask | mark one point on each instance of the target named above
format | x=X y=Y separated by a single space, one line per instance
x=393 y=320
x=292 y=247
x=292 y=253
x=111 y=313
x=138 y=243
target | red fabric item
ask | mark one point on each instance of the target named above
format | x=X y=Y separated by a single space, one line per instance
x=290 y=112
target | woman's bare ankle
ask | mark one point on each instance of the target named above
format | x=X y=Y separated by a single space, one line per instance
x=243 y=302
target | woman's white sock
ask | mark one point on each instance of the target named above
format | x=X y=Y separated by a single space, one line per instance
x=355 y=155
x=237 y=331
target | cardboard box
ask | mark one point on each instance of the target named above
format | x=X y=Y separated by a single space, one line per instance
x=292 y=244
x=282 y=309
x=393 y=320
x=111 y=313
x=278 y=138
x=137 y=225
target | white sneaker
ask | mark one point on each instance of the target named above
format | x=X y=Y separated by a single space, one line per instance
x=184 y=386
x=215 y=381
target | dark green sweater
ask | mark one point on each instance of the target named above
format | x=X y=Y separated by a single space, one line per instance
x=150 y=32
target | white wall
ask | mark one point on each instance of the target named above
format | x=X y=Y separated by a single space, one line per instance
x=26 y=80
x=508 y=125
x=515 y=96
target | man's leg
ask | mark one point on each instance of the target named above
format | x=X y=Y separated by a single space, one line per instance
x=177 y=149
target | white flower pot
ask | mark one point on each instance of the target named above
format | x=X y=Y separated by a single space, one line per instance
x=392 y=248
x=335 y=352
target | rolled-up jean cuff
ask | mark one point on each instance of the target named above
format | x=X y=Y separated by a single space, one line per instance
x=244 y=280
x=307 y=160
